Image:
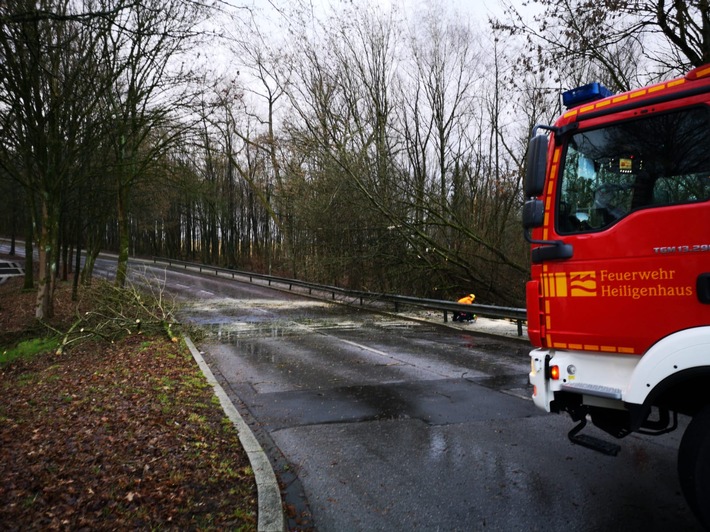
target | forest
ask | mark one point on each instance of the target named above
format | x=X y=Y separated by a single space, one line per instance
x=377 y=146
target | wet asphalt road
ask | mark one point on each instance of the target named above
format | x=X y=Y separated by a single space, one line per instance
x=378 y=423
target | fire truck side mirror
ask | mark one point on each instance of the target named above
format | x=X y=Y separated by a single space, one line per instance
x=537 y=162
x=533 y=213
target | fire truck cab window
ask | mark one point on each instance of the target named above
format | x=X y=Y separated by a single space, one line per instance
x=646 y=163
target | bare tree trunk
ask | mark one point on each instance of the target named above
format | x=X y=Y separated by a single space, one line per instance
x=44 y=305
x=29 y=255
x=123 y=237
x=77 y=265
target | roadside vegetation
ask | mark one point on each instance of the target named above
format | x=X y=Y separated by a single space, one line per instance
x=114 y=430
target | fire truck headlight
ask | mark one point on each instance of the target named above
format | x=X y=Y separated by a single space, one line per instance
x=571 y=369
x=555 y=373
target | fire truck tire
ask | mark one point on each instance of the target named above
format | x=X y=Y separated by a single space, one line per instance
x=694 y=465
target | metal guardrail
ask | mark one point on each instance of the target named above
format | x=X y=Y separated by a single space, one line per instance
x=518 y=315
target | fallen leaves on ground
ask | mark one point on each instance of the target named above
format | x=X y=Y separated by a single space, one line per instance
x=115 y=436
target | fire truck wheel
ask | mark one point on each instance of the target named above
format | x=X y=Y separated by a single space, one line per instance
x=694 y=465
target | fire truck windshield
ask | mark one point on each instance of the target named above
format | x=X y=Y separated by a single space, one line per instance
x=649 y=162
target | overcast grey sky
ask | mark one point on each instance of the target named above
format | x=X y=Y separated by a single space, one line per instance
x=477 y=8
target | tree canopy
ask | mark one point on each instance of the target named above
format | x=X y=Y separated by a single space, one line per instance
x=378 y=148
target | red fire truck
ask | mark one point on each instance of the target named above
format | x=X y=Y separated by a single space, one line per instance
x=618 y=218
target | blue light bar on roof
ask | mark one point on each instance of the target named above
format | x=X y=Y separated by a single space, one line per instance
x=584 y=94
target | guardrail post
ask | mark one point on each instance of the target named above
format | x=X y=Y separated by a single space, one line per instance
x=446 y=316
x=520 y=327
x=396 y=306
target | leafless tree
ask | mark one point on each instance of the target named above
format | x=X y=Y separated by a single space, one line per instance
x=149 y=98
x=627 y=42
x=51 y=78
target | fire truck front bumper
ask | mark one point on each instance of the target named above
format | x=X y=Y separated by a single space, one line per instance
x=599 y=378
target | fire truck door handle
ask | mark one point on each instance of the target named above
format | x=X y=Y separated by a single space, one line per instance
x=703 y=288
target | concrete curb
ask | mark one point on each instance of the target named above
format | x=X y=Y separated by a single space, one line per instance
x=270 y=508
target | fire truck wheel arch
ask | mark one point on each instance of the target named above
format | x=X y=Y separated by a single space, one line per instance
x=679 y=352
